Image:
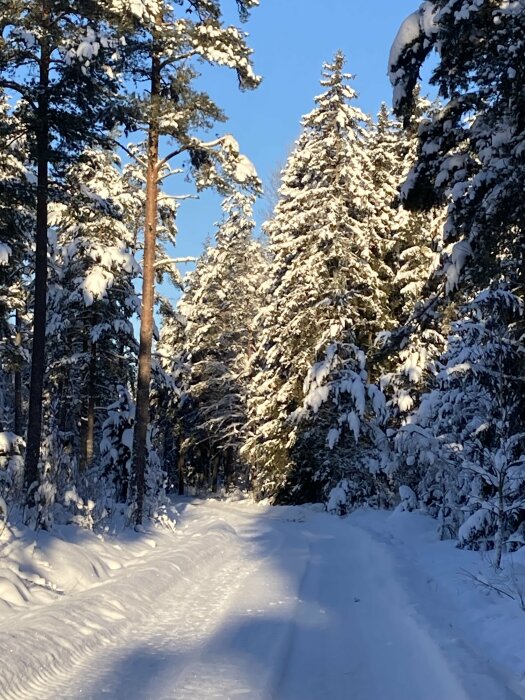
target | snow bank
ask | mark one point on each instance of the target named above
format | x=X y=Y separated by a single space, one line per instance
x=456 y=590
x=80 y=591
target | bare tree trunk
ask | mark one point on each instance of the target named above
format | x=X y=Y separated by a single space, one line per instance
x=19 y=420
x=500 y=527
x=38 y=358
x=180 y=469
x=142 y=411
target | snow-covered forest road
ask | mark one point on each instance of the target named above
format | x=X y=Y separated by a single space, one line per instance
x=252 y=602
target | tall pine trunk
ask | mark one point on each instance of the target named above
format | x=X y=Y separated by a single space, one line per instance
x=34 y=426
x=142 y=411
x=19 y=419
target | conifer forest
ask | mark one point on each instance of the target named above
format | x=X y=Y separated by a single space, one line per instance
x=353 y=363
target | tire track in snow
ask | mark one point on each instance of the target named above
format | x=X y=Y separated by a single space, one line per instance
x=49 y=643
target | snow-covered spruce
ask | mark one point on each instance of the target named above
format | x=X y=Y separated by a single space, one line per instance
x=310 y=399
x=219 y=305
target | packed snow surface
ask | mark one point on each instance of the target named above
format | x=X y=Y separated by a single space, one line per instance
x=248 y=601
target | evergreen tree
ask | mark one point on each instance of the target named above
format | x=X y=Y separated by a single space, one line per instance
x=171 y=372
x=470 y=156
x=470 y=151
x=16 y=228
x=91 y=305
x=57 y=58
x=115 y=449
x=465 y=438
x=412 y=252
x=172 y=108
x=324 y=305
x=220 y=304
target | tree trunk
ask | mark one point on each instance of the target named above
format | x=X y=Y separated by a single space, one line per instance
x=142 y=411
x=38 y=357
x=88 y=432
x=180 y=469
x=500 y=520
x=19 y=419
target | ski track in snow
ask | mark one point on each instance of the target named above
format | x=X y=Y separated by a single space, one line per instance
x=263 y=604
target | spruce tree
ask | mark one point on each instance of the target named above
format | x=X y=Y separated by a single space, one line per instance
x=323 y=304
x=470 y=157
x=470 y=150
x=220 y=303
x=91 y=305
x=16 y=229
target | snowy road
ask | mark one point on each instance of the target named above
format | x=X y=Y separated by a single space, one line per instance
x=251 y=603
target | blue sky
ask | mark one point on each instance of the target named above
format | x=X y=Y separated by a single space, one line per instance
x=291 y=40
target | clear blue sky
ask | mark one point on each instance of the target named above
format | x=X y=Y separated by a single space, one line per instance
x=291 y=40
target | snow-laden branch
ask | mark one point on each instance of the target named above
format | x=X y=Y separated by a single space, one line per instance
x=174 y=261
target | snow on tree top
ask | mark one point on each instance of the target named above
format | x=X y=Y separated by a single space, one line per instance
x=415 y=33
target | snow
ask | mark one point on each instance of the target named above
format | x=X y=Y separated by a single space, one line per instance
x=5 y=254
x=408 y=33
x=419 y=26
x=246 y=600
x=458 y=257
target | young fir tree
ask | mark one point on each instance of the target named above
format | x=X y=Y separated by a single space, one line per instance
x=171 y=34
x=115 y=452
x=324 y=304
x=465 y=437
x=91 y=304
x=56 y=57
x=220 y=304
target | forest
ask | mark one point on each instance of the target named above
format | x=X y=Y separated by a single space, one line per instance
x=367 y=347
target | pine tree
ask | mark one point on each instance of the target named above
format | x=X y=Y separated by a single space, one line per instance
x=57 y=59
x=173 y=109
x=324 y=305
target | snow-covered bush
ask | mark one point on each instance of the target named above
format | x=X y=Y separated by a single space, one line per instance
x=408 y=499
x=115 y=447
x=11 y=465
x=477 y=532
